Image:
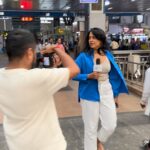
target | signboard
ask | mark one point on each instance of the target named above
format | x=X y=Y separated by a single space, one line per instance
x=88 y=1
x=17 y=13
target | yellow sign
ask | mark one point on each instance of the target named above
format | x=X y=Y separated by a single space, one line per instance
x=60 y=31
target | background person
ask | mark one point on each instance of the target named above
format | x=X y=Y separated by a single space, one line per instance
x=26 y=95
x=145 y=100
x=98 y=89
x=114 y=45
x=59 y=44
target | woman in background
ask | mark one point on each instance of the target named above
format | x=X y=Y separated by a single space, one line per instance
x=59 y=44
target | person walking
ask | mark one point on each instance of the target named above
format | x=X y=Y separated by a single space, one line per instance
x=97 y=89
x=145 y=102
x=26 y=95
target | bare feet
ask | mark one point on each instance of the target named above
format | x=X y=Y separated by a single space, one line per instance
x=99 y=145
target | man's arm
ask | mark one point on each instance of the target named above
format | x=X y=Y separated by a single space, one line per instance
x=67 y=61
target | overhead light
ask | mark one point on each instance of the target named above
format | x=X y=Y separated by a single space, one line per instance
x=1 y=2
x=110 y=8
x=75 y=23
x=68 y=7
x=132 y=0
x=148 y=9
x=1 y=13
x=107 y=2
x=46 y=18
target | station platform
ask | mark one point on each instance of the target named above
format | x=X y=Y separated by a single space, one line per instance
x=132 y=127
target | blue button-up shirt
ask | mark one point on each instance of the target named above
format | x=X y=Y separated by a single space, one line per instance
x=88 y=89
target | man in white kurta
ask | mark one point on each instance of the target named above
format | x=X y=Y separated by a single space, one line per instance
x=28 y=105
x=26 y=95
x=145 y=100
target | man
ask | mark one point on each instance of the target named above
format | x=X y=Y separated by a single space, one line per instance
x=145 y=102
x=26 y=95
x=146 y=92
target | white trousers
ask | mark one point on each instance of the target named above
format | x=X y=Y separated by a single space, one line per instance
x=93 y=112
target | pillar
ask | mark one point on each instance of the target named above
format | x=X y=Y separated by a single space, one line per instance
x=97 y=18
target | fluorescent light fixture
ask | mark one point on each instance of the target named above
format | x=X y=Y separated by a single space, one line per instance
x=75 y=23
x=132 y=0
x=1 y=2
x=68 y=7
x=1 y=13
x=107 y=2
x=45 y=22
x=46 y=18
x=148 y=9
x=110 y=8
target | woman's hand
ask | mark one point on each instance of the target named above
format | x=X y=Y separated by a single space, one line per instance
x=93 y=75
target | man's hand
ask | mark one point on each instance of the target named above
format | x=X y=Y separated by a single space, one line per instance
x=93 y=75
x=66 y=60
x=48 y=49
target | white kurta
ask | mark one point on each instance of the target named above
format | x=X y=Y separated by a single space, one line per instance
x=146 y=91
x=26 y=100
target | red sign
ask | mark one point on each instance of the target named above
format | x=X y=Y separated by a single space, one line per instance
x=26 y=4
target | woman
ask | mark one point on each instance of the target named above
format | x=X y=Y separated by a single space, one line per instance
x=59 y=44
x=98 y=89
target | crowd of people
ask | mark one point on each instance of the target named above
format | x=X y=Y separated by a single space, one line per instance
x=52 y=60
x=127 y=44
x=26 y=93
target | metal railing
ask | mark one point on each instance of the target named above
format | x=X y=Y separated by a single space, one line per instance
x=134 y=72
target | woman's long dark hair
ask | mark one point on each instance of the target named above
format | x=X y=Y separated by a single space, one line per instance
x=99 y=35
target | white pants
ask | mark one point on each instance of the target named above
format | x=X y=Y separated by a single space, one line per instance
x=92 y=112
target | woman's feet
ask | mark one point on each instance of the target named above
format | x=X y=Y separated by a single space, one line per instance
x=99 y=145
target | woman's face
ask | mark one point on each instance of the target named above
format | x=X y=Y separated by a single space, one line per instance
x=59 y=41
x=93 y=42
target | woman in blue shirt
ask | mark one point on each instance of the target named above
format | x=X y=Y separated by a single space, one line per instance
x=97 y=89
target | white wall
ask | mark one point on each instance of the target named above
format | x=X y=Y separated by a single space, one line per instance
x=97 y=20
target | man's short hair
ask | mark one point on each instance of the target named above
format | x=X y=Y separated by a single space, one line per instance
x=17 y=42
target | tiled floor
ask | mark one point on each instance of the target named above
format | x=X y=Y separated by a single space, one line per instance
x=67 y=105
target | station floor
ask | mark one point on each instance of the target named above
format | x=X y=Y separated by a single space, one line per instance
x=132 y=127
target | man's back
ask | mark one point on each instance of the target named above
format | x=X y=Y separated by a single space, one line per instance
x=26 y=99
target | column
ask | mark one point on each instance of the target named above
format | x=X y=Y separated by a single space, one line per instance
x=97 y=18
